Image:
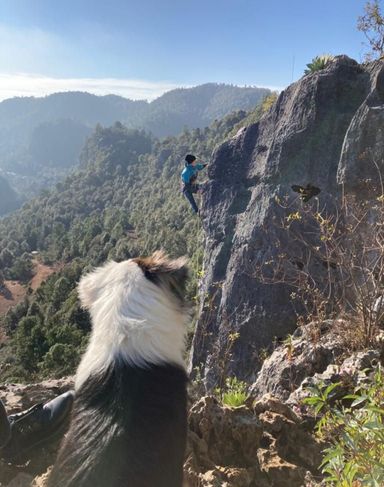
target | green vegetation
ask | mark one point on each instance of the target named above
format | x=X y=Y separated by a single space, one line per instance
x=234 y=393
x=355 y=433
x=254 y=115
x=371 y=24
x=48 y=330
x=124 y=201
x=9 y=199
x=318 y=63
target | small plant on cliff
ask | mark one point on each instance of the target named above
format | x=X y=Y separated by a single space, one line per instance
x=356 y=434
x=254 y=115
x=234 y=393
x=318 y=63
x=289 y=347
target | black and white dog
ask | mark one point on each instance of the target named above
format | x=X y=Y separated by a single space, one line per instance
x=128 y=426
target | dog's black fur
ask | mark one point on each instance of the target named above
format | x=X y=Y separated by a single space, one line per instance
x=128 y=429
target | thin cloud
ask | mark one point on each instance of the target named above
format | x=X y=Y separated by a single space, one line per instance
x=12 y=85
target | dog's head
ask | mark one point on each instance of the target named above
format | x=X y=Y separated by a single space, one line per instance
x=138 y=312
x=168 y=274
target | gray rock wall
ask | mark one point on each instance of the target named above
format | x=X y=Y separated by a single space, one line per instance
x=315 y=133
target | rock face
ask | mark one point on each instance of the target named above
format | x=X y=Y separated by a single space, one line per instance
x=362 y=152
x=321 y=131
x=288 y=366
x=263 y=445
x=307 y=362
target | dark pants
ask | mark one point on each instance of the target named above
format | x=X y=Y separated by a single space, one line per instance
x=5 y=427
x=188 y=191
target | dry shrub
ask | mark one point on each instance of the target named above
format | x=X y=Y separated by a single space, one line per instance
x=332 y=258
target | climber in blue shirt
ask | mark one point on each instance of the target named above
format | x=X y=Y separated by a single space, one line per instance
x=189 y=177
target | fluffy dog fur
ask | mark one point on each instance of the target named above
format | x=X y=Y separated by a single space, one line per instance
x=128 y=426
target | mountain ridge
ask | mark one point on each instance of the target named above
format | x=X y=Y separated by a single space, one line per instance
x=42 y=137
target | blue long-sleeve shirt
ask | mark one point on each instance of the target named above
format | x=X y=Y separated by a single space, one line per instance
x=190 y=172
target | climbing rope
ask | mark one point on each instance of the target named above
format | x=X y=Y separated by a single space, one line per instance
x=200 y=260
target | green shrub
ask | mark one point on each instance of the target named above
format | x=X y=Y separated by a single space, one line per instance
x=318 y=63
x=355 y=433
x=234 y=393
x=30 y=342
x=61 y=359
x=22 y=269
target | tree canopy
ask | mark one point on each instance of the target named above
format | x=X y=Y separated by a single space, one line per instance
x=372 y=26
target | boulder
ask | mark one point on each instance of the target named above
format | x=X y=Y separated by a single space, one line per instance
x=321 y=131
x=264 y=445
x=284 y=371
x=350 y=373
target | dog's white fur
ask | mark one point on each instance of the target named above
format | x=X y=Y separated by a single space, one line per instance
x=132 y=318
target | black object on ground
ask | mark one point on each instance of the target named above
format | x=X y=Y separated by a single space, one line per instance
x=306 y=192
x=38 y=425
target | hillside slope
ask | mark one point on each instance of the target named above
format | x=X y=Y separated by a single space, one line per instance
x=9 y=199
x=124 y=202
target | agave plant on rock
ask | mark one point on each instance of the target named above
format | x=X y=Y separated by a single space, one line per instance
x=318 y=63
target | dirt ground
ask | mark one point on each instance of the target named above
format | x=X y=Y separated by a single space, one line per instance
x=42 y=272
x=12 y=294
x=14 y=291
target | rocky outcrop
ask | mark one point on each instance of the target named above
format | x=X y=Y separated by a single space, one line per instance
x=349 y=374
x=320 y=131
x=309 y=360
x=301 y=357
x=361 y=162
x=262 y=444
x=267 y=442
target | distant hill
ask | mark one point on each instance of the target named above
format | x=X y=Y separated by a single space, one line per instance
x=198 y=107
x=9 y=199
x=49 y=131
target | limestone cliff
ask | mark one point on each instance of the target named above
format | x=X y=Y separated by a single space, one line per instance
x=327 y=130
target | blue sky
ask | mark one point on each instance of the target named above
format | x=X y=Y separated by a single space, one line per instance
x=145 y=47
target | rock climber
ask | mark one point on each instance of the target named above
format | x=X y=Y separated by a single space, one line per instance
x=189 y=178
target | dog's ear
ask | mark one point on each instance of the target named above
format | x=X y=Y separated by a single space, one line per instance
x=90 y=284
x=87 y=290
x=163 y=271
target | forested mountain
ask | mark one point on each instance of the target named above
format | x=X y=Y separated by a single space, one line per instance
x=9 y=199
x=41 y=137
x=198 y=107
x=124 y=201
